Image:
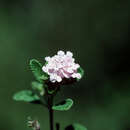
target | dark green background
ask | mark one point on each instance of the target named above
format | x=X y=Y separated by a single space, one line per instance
x=96 y=31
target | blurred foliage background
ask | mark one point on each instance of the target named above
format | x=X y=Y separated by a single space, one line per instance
x=96 y=31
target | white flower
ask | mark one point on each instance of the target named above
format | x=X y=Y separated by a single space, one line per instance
x=61 y=66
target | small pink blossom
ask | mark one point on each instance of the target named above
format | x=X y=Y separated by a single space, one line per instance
x=61 y=66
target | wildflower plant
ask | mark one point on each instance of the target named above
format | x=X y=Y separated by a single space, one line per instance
x=58 y=70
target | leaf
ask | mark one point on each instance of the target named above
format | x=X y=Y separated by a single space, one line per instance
x=36 y=68
x=81 y=71
x=38 y=87
x=75 y=126
x=64 y=105
x=26 y=95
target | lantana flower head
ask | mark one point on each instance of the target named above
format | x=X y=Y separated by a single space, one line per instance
x=61 y=66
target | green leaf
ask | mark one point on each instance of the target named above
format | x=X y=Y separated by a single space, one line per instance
x=36 y=68
x=81 y=71
x=64 y=105
x=75 y=126
x=26 y=95
x=38 y=87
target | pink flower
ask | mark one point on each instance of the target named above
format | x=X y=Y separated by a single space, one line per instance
x=61 y=66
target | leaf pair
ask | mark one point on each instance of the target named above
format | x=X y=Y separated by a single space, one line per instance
x=29 y=96
x=36 y=68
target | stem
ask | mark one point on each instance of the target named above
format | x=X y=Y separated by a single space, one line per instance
x=51 y=118
x=57 y=126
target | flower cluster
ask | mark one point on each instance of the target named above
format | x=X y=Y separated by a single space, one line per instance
x=61 y=66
